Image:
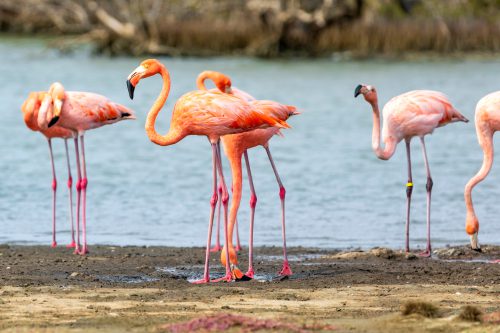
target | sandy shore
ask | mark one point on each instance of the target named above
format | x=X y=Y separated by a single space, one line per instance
x=134 y=289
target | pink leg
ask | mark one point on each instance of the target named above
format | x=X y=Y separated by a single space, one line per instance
x=83 y=185
x=54 y=190
x=238 y=244
x=78 y=196
x=217 y=246
x=213 y=203
x=409 y=189
x=428 y=186
x=285 y=270
x=253 y=202
x=225 y=199
x=70 y=191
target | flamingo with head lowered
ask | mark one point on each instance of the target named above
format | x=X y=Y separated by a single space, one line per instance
x=236 y=146
x=487 y=123
x=210 y=114
x=415 y=113
x=31 y=107
x=78 y=112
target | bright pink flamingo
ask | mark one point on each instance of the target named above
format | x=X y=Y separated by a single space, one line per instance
x=236 y=146
x=487 y=123
x=211 y=114
x=415 y=113
x=30 y=109
x=79 y=112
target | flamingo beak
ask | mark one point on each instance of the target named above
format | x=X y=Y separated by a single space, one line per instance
x=130 y=88
x=357 y=91
x=474 y=243
x=228 y=90
x=57 y=112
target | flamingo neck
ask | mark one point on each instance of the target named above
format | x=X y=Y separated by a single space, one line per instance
x=390 y=143
x=174 y=135
x=236 y=176
x=200 y=80
x=487 y=145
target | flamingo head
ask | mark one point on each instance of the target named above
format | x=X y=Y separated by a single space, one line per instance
x=472 y=228
x=369 y=93
x=30 y=109
x=146 y=69
x=223 y=83
x=57 y=95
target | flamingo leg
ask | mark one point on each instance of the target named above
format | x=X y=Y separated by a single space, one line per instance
x=253 y=202
x=54 y=190
x=238 y=243
x=78 y=195
x=428 y=186
x=217 y=246
x=70 y=191
x=83 y=185
x=409 y=190
x=225 y=199
x=285 y=270
x=213 y=203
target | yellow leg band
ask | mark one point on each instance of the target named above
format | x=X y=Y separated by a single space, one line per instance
x=409 y=184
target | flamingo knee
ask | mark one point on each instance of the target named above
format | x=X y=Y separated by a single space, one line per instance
x=282 y=192
x=214 y=199
x=70 y=181
x=253 y=200
x=429 y=184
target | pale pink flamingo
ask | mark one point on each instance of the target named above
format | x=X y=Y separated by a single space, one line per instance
x=487 y=123
x=415 y=113
x=79 y=112
x=236 y=146
x=30 y=109
x=210 y=114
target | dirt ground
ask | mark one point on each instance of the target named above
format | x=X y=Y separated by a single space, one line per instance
x=142 y=289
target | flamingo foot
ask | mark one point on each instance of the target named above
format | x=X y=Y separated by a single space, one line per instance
x=84 y=251
x=425 y=254
x=202 y=281
x=216 y=248
x=71 y=245
x=286 y=270
x=54 y=244
x=237 y=248
x=250 y=273
x=227 y=278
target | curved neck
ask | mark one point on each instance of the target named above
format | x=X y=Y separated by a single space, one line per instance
x=200 y=80
x=486 y=141
x=236 y=175
x=174 y=135
x=390 y=144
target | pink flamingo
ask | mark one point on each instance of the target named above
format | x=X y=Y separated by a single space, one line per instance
x=415 y=113
x=236 y=146
x=487 y=123
x=30 y=109
x=79 y=112
x=211 y=114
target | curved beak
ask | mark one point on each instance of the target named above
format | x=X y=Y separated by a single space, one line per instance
x=57 y=112
x=130 y=88
x=228 y=90
x=474 y=243
x=357 y=91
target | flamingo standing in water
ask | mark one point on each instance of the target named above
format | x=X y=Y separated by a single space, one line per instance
x=30 y=109
x=79 y=112
x=415 y=113
x=211 y=114
x=236 y=146
x=487 y=123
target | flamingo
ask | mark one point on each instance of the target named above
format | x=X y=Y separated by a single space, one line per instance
x=487 y=123
x=236 y=146
x=30 y=108
x=210 y=114
x=415 y=113
x=78 y=112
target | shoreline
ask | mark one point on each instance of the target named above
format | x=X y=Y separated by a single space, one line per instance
x=142 y=289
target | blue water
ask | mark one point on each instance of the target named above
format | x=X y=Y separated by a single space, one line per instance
x=338 y=193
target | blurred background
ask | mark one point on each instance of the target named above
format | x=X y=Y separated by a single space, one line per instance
x=309 y=53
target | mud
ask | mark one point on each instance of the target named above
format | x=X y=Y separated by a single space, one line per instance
x=143 y=289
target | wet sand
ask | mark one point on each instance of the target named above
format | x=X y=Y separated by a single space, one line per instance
x=141 y=289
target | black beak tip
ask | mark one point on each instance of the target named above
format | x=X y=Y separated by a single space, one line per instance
x=53 y=121
x=478 y=250
x=357 y=91
x=130 y=89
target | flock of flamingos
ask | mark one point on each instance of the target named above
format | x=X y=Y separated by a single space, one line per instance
x=243 y=122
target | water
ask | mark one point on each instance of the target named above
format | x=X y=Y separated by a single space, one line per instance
x=339 y=194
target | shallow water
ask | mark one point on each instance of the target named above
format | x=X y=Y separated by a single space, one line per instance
x=338 y=193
